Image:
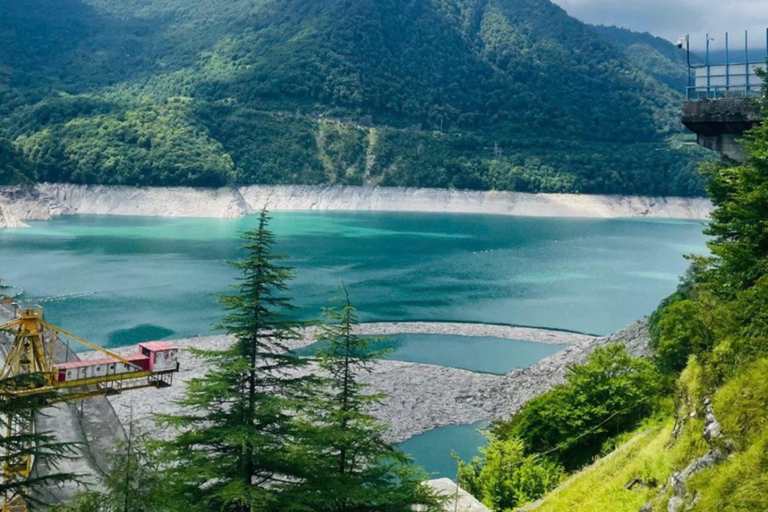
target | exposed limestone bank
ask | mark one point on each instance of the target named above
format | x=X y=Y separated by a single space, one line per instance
x=44 y=201
x=420 y=397
x=9 y=220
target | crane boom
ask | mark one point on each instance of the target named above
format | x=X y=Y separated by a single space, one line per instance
x=33 y=351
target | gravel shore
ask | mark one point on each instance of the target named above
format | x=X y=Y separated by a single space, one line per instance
x=419 y=397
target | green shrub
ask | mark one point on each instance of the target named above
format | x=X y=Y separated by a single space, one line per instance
x=14 y=168
x=609 y=394
x=691 y=388
x=506 y=477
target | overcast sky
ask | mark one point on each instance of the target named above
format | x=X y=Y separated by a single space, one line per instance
x=675 y=18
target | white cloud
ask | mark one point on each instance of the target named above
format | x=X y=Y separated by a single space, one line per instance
x=674 y=18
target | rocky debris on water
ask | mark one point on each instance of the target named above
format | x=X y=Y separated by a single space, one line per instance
x=520 y=386
x=510 y=332
x=420 y=397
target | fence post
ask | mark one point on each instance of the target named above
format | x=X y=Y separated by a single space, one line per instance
x=727 y=67
x=709 y=70
x=746 y=66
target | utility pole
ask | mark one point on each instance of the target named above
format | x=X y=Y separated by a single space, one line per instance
x=727 y=65
x=686 y=42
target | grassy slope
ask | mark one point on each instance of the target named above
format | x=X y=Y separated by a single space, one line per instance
x=649 y=454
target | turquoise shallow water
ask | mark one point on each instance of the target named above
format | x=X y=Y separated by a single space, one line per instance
x=118 y=280
x=475 y=353
x=434 y=450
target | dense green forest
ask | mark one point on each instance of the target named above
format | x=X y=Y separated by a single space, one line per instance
x=656 y=56
x=684 y=430
x=478 y=94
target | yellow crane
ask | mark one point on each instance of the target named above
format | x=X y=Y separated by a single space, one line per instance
x=5 y=298
x=35 y=348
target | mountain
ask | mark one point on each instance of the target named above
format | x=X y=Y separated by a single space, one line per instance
x=653 y=55
x=483 y=94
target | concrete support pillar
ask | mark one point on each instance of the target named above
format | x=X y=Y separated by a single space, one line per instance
x=720 y=124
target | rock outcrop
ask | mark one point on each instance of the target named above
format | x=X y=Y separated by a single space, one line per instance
x=681 y=498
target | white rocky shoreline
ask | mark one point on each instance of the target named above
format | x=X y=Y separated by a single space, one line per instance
x=420 y=397
x=44 y=201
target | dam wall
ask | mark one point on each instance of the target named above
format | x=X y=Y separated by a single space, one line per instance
x=44 y=201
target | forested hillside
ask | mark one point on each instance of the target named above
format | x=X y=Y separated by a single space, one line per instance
x=654 y=55
x=483 y=94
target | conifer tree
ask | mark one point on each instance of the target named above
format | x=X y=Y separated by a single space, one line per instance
x=234 y=452
x=18 y=443
x=353 y=468
x=136 y=481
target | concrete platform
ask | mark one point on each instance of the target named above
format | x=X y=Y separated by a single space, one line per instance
x=458 y=500
x=720 y=124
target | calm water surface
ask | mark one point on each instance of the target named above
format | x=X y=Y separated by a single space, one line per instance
x=118 y=280
x=434 y=450
x=475 y=353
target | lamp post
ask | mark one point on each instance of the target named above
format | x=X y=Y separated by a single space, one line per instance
x=686 y=42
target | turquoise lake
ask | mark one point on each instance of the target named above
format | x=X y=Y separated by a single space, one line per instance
x=118 y=280
x=122 y=280
x=474 y=353
x=434 y=450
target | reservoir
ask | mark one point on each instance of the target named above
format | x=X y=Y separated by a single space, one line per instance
x=474 y=353
x=436 y=450
x=118 y=280
x=122 y=280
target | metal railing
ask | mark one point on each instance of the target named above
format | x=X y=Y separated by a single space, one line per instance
x=726 y=81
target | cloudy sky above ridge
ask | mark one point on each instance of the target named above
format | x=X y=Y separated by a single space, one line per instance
x=672 y=19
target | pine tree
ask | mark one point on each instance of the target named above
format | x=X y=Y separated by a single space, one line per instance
x=17 y=443
x=353 y=468
x=234 y=451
